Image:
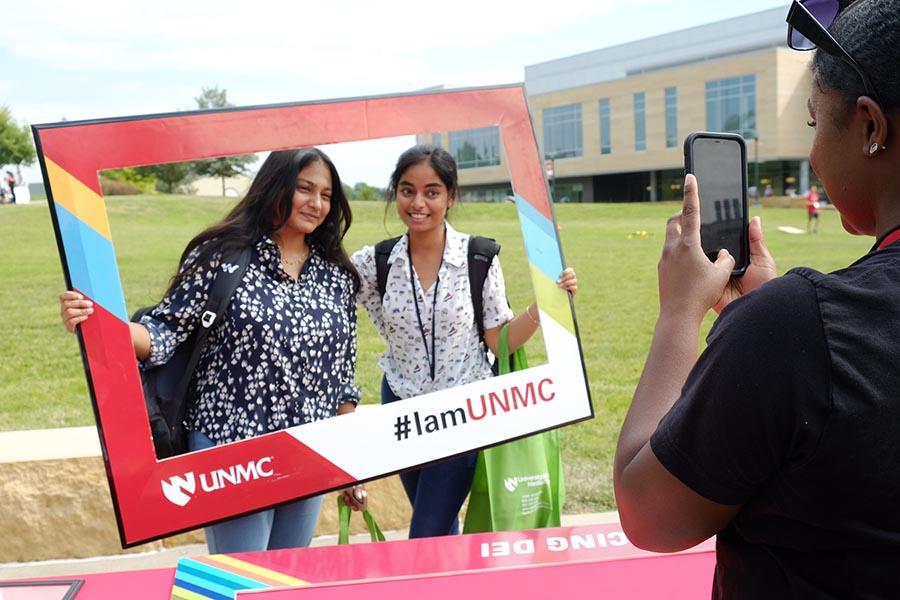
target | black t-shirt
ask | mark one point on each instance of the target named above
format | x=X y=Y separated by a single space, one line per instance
x=793 y=411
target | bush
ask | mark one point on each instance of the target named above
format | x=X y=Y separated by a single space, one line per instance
x=111 y=187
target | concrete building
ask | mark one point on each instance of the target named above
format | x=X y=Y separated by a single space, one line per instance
x=611 y=122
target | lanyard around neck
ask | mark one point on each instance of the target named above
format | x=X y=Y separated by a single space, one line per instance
x=412 y=281
x=890 y=238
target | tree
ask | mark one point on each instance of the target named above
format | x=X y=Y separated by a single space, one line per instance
x=212 y=98
x=364 y=191
x=137 y=180
x=170 y=175
x=225 y=166
x=16 y=147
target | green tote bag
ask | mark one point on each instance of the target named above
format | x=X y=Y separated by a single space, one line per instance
x=518 y=485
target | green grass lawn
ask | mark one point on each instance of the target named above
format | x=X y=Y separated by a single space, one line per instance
x=613 y=247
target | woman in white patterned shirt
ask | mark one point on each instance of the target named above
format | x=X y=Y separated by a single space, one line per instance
x=427 y=319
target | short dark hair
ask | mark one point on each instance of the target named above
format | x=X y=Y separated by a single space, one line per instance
x=869 y=30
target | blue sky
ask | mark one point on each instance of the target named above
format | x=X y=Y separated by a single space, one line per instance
x=97 y=59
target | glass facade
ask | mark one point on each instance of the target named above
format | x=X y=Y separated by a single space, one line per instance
x=605 y=134
x=640 y=122
x=562 y=132
x=475 y=147
x=488 y=195
x=435 y=139
x=731 y=105
x=568 y=192
x=671 y=117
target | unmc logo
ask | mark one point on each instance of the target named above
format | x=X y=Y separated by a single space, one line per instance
x=179 y=490
x=511 y=483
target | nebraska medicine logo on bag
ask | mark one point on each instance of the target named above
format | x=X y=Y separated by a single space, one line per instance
x=512 y=483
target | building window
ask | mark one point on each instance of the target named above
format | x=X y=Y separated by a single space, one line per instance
x=435 y=139
x=605 y=135
x=640 y=122
x=487 y=195
x=671 y=117
x=476 y=147
x=562 y=132
x=731 y=105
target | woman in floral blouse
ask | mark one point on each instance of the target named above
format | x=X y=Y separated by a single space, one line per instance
x=284 y=352
x=427 y=319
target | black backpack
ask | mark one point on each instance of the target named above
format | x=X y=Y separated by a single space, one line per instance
x=166 y=386
x=481 y=253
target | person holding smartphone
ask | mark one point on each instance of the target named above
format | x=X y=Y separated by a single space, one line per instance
x=781 y=438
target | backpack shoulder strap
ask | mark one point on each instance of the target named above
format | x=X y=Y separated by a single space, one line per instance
x=229 y=274
x=481 y=254
x=382 y=254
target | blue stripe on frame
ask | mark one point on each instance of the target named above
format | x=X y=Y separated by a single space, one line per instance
x=92 y=263
x=540 y=240
x=219 y=576
x=211 y=589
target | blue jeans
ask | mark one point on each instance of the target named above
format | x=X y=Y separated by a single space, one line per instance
x=437 y=491
x=287 y=526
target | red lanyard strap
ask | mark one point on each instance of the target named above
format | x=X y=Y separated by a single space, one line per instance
x=889 y=239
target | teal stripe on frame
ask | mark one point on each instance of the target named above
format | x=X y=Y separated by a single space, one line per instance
x=223 y=588
x=220 y=576
x=92 y=263
x=540 y=240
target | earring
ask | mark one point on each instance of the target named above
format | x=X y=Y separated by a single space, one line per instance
x=873 y=148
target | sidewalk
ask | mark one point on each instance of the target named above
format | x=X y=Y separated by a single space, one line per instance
x=168 y=558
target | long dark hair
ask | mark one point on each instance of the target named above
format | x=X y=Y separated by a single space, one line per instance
x=869 y=30
x=440 y=160
x=266 y=208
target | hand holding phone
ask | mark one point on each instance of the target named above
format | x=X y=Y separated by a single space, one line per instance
x=719 y=162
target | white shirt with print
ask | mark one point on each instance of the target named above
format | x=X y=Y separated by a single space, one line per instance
x=459 y=356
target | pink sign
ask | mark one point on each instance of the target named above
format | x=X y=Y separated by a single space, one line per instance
x=596 y=546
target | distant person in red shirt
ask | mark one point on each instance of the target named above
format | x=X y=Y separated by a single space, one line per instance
x=812 y=210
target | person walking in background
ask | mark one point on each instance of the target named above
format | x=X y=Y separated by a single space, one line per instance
x=9 y=184
x=428 y=320
x=284 y=353
x=780 y=439
x=812 y=210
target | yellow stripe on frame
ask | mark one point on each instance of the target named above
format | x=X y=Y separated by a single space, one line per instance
x=78 y=199
x=250 y=567
x=552 y=300
x=179 y=593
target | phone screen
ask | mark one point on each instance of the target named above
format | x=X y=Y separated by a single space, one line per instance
x=719 y=164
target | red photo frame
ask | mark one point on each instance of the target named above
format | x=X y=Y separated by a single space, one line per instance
x=156 y=498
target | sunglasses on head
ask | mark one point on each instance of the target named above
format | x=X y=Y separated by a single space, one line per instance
x=808 y=21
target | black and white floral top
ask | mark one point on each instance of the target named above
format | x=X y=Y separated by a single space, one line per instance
x=283 y=354
x=459 y=355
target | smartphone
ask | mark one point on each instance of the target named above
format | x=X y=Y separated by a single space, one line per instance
x=719 y=162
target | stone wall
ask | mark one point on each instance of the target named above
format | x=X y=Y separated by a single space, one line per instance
x=55 y=502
